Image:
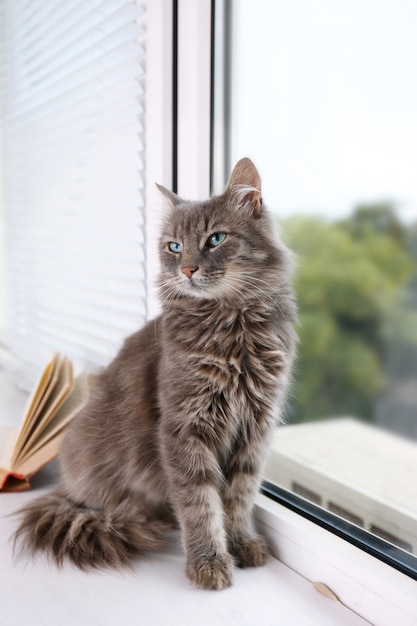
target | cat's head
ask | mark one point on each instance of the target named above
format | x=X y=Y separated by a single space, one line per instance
x=224 y=248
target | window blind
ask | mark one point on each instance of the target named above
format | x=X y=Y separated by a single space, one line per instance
x=73 y=80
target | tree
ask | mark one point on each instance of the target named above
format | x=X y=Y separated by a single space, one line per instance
x=377 y=218
x=349 y=276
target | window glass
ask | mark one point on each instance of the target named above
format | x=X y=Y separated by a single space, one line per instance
x=324 y=100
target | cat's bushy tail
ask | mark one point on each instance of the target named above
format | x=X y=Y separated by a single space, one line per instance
x=89 y=538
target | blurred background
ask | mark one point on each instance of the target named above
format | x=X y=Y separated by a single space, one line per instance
x=324 y=99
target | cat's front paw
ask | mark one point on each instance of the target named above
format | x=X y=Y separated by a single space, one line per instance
x=249 y=552
x=213 y=573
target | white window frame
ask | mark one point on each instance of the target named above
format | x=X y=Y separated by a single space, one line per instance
x=194 y=98
x=367 y=586
x=159 y=134
x=193 y=91
x=193 y=88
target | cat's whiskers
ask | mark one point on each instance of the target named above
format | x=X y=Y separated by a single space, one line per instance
x=243 y=287
x=236 y=288
x=265 y=295
x=240 y=282
x=169 y=293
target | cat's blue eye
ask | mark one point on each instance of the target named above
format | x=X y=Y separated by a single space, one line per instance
x=215 y=240
x=174 y=247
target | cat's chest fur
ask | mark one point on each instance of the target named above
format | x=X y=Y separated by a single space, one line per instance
x=226 y=363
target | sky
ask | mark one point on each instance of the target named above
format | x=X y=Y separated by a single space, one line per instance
x=325 y=102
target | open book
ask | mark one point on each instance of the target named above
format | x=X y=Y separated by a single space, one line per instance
x=25 y=449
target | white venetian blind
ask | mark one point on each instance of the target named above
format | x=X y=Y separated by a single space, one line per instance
x=73 y=79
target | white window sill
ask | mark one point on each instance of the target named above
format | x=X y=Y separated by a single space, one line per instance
x=155 y=591
x=369 y=587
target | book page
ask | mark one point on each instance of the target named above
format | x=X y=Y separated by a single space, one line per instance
x=33 y=463
x=57 y=392
x=36 y=396
x=69 y=408
x=8 y=436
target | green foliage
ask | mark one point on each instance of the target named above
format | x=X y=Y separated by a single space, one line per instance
x=375 y=218
x=349 y=281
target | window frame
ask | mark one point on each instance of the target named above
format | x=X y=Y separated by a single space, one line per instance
x=160 y=133
x=193 y=97
x=404 y=562
x=371 y=588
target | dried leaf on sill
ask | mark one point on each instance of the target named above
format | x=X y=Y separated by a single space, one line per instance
x=326 y=591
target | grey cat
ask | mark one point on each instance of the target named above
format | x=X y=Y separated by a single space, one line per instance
x=177 y=426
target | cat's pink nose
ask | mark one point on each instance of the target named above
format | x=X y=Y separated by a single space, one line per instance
x=189 y=271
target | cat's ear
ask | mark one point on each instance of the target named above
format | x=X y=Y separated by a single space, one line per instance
x=172 y=197
x=244 y=186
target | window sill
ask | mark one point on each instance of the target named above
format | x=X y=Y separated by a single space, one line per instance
x=153 y=591
x=366 y=585
x=155 y=587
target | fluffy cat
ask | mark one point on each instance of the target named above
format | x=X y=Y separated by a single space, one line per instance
x=176 y=427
